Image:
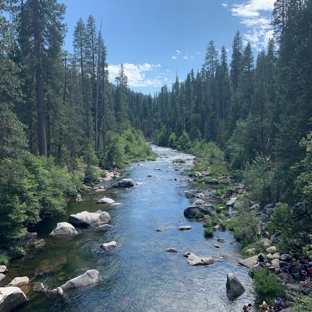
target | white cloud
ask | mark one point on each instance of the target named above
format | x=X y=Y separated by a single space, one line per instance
x=254 y=14
x=136 y=74
x=178 y=52
x=174 y=57
x=224 y=5
x=185 y=57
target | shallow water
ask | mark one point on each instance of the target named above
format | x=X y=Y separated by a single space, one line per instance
x=139 y=275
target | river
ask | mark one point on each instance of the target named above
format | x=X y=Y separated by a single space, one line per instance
x=139 y=275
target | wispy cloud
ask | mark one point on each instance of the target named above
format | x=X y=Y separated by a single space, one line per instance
x=256 y=16
x=184 y=57
x=136 y=74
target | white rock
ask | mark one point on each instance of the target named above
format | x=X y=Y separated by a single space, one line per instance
x=19 y=281
x=64 y=229
x=89 y=278
x=10 y=298
x=105 y=200
x=108 y=246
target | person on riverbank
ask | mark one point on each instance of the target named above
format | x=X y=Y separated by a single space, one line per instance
x=289 y=270
x=247 y=307
x=278 y=303
x=261 y=259
x=263 y=307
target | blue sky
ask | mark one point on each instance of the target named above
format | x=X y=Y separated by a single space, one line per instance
x=157 y=39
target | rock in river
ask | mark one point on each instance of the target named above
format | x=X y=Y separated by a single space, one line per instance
x=206 y=209
x=19 y=281
x=89 y=219
x=192 y=259
x=108 y=246
x=124 y=183
x=234 y=288
x=10 y=298
x=89 y=278
x=64 y=229
x=105 y=200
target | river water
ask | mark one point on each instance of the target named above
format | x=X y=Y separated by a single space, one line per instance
x=138 y=275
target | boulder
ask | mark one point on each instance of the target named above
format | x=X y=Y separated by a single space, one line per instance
x=39 y=287
x=105 y=200
x=3 y=269
x=174 y=250
x=265 y=241
x=255 y=268
x=19 y=281
x=249 y=262
x=89 y=219
x=285 y=257
x=234 y=288
x=108 y=246
x=231 y=202
x=64 y=229
x=2 y=277
x=206 y=209
x=10 y=298
x=212 y=182
x=271 y=249
x=221 y=240
x=89 y=278
x=199 y=202
x=275 y=263
x=263 y=217
x=189 y=194
x=78 y=198
x=250 y=251
x=192 y=259
x=124 y=183
x=184 y=227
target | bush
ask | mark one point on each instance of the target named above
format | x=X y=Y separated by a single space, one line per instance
x=245 y=225
x=267 y=287
x=91 y=174
x=199 y=215
x=208 y=232
x=260 y=180
x=4 y=259
x=179 y=161
x=303 y=304
x=207 y=224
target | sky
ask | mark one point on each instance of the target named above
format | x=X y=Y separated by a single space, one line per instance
x=157 y=40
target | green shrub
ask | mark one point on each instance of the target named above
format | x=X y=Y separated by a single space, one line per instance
x=199 y=215
x=91 y=174
x=267 y=287
x=208 y=232
x=260 y=179
x=207 y=224
x=4 y=259
x=218 y=209
x=257 y=245
x=222 y=226
x=303 y=304
x=245 y=225
x=179 y=161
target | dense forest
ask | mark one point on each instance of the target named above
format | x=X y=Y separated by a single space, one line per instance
x=58 y=109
